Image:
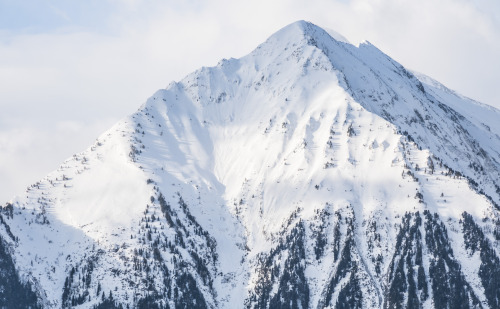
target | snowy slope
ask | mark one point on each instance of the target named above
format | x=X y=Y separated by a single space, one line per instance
x=309 y=173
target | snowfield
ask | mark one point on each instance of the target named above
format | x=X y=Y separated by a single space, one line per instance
x=311 y=173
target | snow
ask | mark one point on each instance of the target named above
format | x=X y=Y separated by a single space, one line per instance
x=101 y=196
x=305 y=120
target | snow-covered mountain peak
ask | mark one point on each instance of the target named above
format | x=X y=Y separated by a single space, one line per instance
x=309 y=173
x=296 y=32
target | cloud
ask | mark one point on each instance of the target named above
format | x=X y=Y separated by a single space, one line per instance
x=99 y=60
x=27 y=153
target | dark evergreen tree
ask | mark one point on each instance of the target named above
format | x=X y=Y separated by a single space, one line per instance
x=350 y=295
x=403 y=291
x=293 y=289
x=449 y=287
x=489 y=270
x=108 y=303
x=152 y=301
x=187 y=295
x=13 y=292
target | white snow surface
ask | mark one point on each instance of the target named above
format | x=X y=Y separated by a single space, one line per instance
x=305 y=122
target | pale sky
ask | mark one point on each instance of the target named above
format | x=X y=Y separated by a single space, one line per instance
x=71 y=69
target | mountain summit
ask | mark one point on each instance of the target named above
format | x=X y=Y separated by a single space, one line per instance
x=311 y=173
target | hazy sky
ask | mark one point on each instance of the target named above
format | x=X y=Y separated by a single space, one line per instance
x=71 y=69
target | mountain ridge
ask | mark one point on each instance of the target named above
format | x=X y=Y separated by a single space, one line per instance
x=309 y=173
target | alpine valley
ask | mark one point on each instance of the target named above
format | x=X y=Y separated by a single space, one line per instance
x=311 y=173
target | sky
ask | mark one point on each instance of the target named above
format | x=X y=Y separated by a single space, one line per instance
x=69 y=70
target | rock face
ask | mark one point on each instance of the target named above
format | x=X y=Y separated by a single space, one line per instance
x=311 y=173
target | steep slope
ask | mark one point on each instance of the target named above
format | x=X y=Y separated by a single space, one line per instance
x=309 y=173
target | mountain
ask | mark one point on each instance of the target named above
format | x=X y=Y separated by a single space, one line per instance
x=311 y=173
